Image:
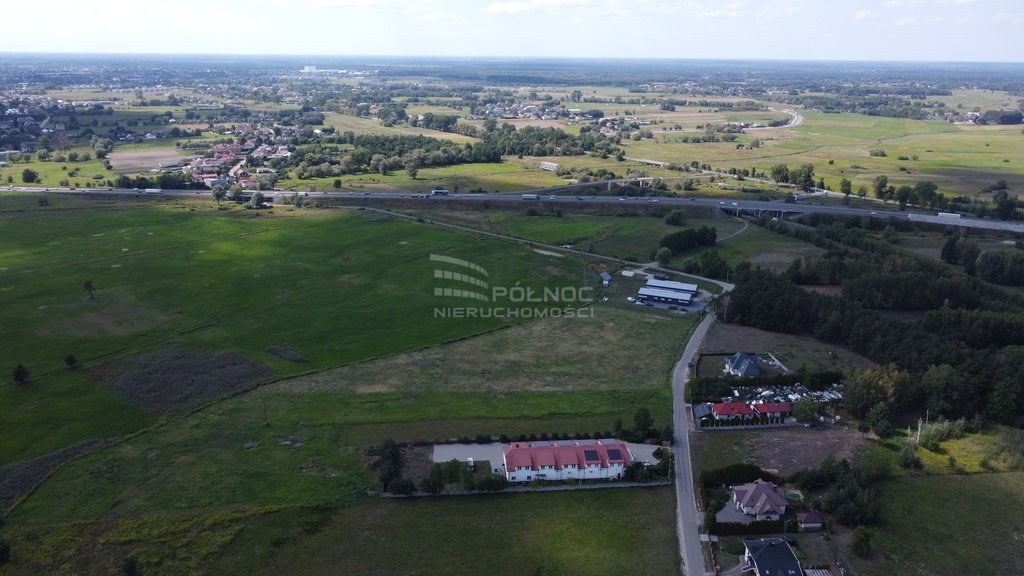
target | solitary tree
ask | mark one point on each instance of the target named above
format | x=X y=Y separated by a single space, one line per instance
x=643 y=420
x=29 y=176
x=70 y=361
x=219 y=193
x=88 y=287
x=21 y=374
x=663 y=256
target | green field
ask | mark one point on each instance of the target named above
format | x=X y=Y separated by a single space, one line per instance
x=334 y=287
x=630 y=238
x=960 y=159
x=166 y=275
x=606 y=532
x=948 y=525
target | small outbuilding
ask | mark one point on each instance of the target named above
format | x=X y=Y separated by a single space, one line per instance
x=810 y=521
x=606 y=279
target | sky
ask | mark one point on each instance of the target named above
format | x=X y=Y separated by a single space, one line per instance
x=906 y=30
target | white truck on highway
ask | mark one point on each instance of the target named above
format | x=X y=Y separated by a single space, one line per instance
x=153 y=191
x=531 y=196
x=953 y=215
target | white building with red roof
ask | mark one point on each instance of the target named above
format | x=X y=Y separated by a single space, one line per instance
x=772 y=410
x=732 y=411
x=565 y=460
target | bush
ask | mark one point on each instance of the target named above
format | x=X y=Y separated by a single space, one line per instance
x=908 y=458
x=860 y=541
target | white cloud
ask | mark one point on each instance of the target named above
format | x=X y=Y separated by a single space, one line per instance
x=510 y=7
x=864 y=15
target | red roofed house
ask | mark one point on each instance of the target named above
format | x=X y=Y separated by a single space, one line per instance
x=759 y=499
x=732 y=411
x=566 y=460
x=773 y=410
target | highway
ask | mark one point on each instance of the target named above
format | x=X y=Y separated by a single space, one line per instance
x=575 y=194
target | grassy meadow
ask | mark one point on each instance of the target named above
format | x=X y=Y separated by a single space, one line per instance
x=960 y=159
x=180 y=274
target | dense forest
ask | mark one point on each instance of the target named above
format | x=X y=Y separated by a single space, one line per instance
x=962 y=358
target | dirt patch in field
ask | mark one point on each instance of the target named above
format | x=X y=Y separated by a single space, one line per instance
x=286 y=353
x=20 y=478
x=143 y=159
x=788 y=450
x=782 y=451
x=795 y=352
x=774 y=261
x=179 y=380
x=522 y=122
x=114 y=320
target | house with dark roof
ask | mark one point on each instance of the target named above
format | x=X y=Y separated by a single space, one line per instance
x=565 y=460
x=743 y=365
x=732 y=411
x=759 y=499
x=810 y=521
x=701 y=412
x=770 y=557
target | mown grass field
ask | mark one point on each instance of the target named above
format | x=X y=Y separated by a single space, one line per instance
x=335 y=287
x=626 y=237
x=946 y=525
x=606 y=532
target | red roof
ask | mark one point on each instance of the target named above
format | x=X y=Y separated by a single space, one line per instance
x=731 y=408
x=563 y=454
x=769 y=408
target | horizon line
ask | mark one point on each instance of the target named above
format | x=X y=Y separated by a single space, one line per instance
x=4 y=53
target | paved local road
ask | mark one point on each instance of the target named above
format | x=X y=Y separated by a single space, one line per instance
x=688 y=517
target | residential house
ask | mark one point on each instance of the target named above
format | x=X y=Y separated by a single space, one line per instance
x=743 y=365
x=732 y=411
x=772 y=410
x=606 y=279
x=759 y=499
x=565 y=460
x=770 y=557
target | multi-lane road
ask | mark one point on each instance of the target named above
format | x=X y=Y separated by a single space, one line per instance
x=580 y=194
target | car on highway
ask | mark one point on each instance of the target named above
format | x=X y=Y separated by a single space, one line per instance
x=622 y=199
x=579 y=197
x=653 y=200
